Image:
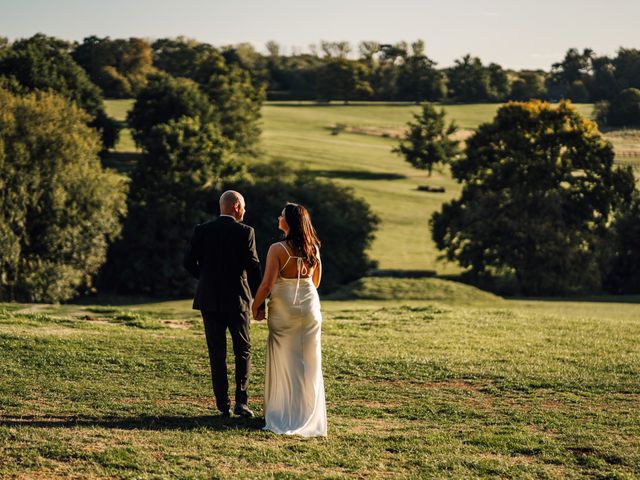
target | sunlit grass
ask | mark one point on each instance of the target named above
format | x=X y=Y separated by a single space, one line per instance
x=455 y=388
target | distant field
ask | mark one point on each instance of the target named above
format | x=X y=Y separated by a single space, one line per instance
x=300 y=133
x=118 y=109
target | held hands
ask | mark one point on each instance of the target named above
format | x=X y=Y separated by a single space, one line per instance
x=258 y=313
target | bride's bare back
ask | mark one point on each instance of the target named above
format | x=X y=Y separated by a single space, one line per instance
x=288 y=263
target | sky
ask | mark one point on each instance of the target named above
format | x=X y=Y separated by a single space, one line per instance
x=513 y=33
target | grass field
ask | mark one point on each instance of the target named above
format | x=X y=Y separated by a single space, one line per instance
x=466 y=386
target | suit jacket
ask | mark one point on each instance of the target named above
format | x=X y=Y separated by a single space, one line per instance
x=222 y=256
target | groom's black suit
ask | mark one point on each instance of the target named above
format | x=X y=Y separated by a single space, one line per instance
x=222 y=256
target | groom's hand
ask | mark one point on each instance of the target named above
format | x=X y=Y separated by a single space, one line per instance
x=260 y=314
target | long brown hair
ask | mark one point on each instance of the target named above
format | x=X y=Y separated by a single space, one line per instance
x=302 y=236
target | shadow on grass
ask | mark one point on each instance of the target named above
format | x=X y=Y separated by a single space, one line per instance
x=137 y=423
x=403 y=273
x=604 y=298
x=508 y=294
x=358 y=175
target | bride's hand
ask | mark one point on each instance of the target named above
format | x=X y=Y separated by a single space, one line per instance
x=257 y=314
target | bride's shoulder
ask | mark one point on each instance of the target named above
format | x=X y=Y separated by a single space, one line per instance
x=276 y=247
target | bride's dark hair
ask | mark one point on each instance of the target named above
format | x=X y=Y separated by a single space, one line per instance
x=302 y=236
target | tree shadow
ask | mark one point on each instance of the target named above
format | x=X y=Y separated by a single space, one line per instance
x=358 y=175
x=604 y=298
x=123 y=162
x=165 y=422
x=511 y=293
x=403 y=273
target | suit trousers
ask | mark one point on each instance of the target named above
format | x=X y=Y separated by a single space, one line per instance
x=215 y=327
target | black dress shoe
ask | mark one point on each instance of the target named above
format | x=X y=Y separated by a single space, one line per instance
x=242 y=410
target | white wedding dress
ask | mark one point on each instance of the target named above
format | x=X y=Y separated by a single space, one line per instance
x=294 y=401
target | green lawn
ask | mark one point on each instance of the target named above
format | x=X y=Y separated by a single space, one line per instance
x=476 y=388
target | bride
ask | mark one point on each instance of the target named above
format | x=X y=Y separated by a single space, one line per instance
x=294 y=389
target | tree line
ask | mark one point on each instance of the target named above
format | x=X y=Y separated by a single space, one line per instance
x=335 y=71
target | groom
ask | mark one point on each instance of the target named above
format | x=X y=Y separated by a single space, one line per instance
x=222 y=256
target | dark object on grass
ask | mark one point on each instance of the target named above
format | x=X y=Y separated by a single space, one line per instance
x=428 y=188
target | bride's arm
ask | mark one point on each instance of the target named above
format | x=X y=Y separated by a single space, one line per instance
x=317 y=272
x=269 y=278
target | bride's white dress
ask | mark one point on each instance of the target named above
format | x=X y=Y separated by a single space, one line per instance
x=294 y=389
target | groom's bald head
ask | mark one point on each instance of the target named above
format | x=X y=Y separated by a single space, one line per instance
x=232 y=203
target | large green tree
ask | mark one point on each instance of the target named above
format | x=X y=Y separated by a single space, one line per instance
x=184 y=162
x=236 y=97
x=529 y=85
x=603 y=84
x=237 y=107
x=570 y=76
x=167 y=98
x=45 y=63
x=539 y=191
x=183 y=57
x=343 y=79
x=624 y=109
x=418 y=79
x=469 y=80
x=428 y=141
x=627 y=68
x=119 y=66
x=294 y=77
x=623 y=275
x=58 y=208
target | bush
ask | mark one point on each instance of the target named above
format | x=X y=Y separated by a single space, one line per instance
x=58 y=208
x=539 y=189
x=624 y=274
x=624 y=110
x=577 y=92
x=345 y=224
